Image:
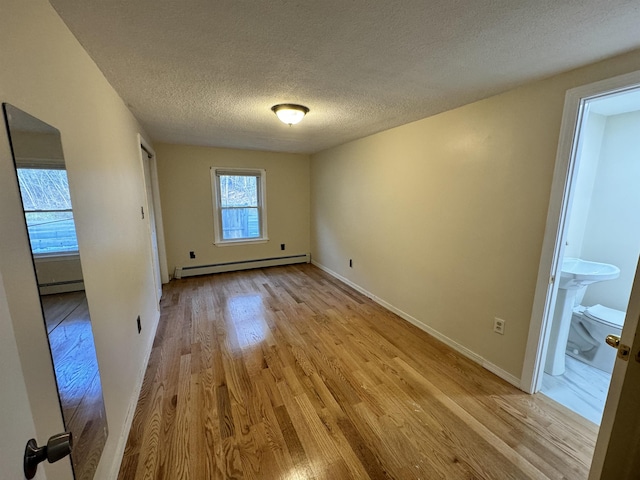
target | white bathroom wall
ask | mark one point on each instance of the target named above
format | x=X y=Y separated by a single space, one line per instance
x=612 y=231
x=589 y=158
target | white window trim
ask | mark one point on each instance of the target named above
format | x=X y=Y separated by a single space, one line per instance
x=55 y=257
x=262 y=204
x=70 y=255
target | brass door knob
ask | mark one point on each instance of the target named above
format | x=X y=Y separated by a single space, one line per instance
x=623 y=350
x=613 y=341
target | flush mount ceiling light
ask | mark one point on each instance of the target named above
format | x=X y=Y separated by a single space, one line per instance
x=290 y=113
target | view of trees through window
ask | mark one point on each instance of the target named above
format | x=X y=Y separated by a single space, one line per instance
x=47 y=207
x=239 y=206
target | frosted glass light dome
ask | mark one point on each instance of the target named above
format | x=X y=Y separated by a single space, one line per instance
x=290 y=113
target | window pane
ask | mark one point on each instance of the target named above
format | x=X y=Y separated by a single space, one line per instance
x=43 y=189
x=240 y=223
x=51 y=232
x=238 y=191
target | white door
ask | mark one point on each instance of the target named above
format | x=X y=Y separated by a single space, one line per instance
x=16 y=422
x=153 y=232
x=617 y=452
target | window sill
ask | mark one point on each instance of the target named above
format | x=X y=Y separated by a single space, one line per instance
x=243 y=241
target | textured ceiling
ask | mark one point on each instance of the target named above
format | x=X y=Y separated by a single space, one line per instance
x=206 y=72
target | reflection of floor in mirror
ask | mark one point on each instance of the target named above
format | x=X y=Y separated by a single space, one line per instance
x=59 y=306
x=582 y=388
x=76 y=367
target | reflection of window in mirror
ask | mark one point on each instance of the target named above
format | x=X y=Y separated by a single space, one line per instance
x=47 y=208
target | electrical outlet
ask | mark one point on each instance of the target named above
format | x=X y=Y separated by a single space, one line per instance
x=498 y=325
x=282 y=246
x=192 y=254
x=139 y=324
x=350 y=263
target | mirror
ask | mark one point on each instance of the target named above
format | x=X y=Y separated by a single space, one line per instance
x=42 y=178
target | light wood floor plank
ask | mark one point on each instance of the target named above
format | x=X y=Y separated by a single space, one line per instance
x=286 y=373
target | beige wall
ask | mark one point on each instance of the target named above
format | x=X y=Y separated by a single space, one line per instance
x=444 y=218
x=58 y=269
x=187 y=203
x=30 y=147
x=46 y=73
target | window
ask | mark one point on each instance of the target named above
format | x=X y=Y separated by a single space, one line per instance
x=47 y=208
x=239 y=205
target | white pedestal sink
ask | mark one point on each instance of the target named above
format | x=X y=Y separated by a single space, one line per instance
x=575 y=275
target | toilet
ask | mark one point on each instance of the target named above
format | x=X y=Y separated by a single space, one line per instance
x=589 y=328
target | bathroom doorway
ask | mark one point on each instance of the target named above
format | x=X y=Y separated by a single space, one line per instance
x=622 y=408
x=591 y=218
x=599 y=254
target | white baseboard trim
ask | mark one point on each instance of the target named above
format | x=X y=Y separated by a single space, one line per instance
x=512 y=379
x=133 y=403
x=506 y=376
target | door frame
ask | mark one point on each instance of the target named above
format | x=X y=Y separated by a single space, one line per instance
x=157 y=209
x=553 y=248
x=555 y=231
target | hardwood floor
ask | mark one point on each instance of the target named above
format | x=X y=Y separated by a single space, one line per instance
x=77 y=377
x=286 y=373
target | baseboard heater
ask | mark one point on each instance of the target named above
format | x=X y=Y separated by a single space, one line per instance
x=181 y=272
x=61 y=287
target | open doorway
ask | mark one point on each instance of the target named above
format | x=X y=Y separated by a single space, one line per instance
x=592 y=211
x=600 y=249
x=621 y=417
